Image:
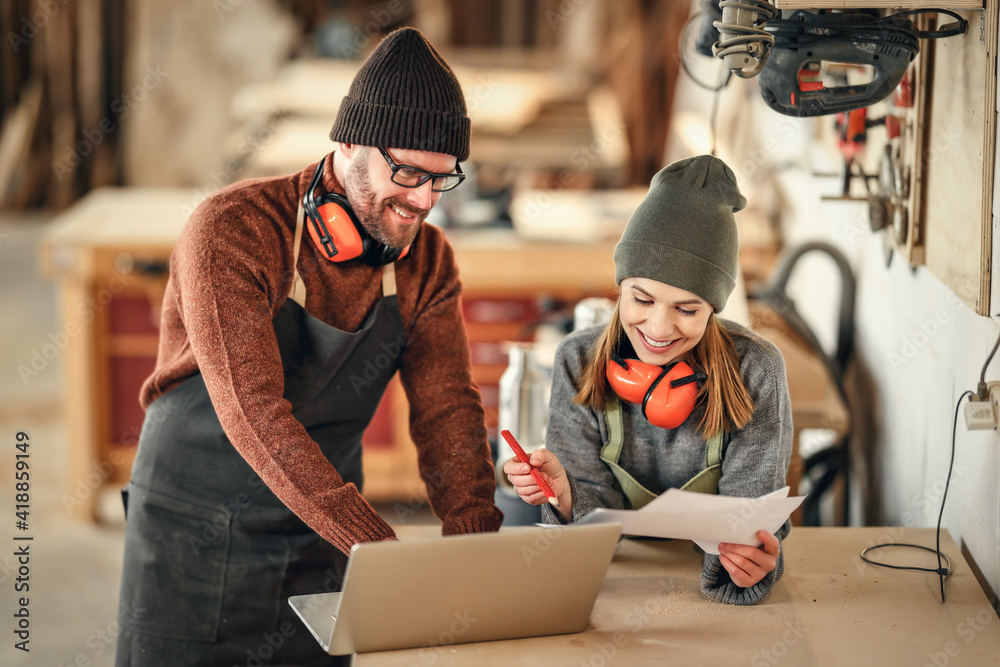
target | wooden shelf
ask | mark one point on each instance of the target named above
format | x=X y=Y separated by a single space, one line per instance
x=875 y=4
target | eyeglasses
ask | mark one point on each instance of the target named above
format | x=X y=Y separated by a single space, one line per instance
x=411 y=177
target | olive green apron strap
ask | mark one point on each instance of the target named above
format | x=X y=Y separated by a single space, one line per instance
x=713 y=450
x=636 y=494
x=707 y=481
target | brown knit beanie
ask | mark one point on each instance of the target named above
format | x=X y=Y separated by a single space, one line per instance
x=405 y=96
x=684 y=231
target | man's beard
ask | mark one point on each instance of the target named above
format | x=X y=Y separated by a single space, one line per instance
x=370 y=212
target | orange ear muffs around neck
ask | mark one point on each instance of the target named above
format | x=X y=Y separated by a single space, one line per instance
x=667 y=395
x=336 y=230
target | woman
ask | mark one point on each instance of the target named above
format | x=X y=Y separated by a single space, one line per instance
x=618 y=434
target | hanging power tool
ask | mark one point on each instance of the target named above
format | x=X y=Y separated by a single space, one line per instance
x=805 y=40
x=787 y=53
x=852 y=135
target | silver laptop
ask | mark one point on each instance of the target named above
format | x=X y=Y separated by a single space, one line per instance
x=520 y=582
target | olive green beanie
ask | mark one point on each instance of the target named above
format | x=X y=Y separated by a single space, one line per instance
x=684 y=231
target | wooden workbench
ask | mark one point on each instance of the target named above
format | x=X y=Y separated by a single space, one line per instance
x=829 y=608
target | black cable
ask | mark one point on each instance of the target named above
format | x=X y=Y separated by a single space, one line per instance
x=684 y=65
x=935 y=570
x=957 y=28
x=981 y=389
x=943 y=573
x=947 y=483
x=791 y=33
x=712 y=116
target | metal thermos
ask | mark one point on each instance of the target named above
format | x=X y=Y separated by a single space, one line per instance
x=524 y=404
x=592 y=311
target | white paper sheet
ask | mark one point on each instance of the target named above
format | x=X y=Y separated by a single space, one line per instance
x=707 y=519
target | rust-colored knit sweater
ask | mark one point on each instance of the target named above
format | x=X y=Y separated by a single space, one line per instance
x=229 y=275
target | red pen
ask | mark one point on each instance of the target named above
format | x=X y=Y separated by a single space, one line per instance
x=537 y=476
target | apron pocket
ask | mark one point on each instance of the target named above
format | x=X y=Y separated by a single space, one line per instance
x=174 y=573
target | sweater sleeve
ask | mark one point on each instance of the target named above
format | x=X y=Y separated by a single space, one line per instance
x=447 y=421
x=227 y=292
x=756 y=463
x=574 y=434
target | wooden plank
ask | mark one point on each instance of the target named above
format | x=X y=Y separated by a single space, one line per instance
x=103 y=399
x=14 y=60
x=475 y=22
x=107 y=163
x=905 y=4
x=16 y=139
x=912 y=155
x=959 y=159
x=513 y=21
x=642 y=69
x=59 y=57
x=80 y=413
x=91 y=89
x=88 y=72
x=606 y=124
x=915 y=245
x=991 y=22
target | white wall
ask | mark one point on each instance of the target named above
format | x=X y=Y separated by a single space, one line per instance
x=920 y=345
x=923 y=348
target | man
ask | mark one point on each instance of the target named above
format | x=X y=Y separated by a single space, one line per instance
x=282 y=324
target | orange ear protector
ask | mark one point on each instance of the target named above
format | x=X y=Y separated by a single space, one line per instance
x=338 y=233
x=667 y=394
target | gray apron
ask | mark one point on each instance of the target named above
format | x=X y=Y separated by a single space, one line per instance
x=211 y=554
x=706 y=481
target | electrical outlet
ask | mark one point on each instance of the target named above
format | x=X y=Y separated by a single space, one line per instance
x=981 y=415
x=994 y=401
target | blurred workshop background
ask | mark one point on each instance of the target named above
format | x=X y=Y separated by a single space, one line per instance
x=867 y=248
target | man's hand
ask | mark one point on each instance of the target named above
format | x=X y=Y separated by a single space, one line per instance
x=747 y=565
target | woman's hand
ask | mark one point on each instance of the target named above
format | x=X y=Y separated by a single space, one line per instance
x=747 y=565
x=552 y=471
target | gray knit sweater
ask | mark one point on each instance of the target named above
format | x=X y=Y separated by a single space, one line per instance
x=755 y=461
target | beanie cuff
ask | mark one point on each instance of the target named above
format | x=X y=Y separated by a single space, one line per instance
x=380 y=125
x=674 y=267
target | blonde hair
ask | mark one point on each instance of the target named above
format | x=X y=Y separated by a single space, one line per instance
x=727 y=403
